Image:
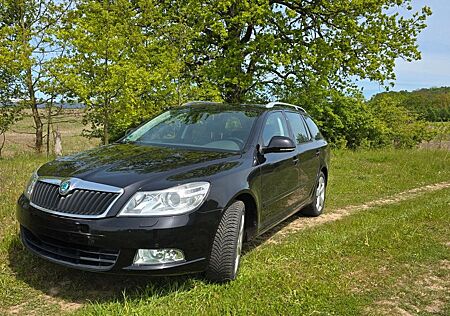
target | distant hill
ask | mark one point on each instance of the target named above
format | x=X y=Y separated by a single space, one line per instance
x=431 y=104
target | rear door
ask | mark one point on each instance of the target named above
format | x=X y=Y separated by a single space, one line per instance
x=279 y=172
x=307 y=153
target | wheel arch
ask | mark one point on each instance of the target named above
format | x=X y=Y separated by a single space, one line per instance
x=251 y=212
x=324 y=169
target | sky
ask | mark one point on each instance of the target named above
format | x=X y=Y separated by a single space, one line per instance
x=433 y=70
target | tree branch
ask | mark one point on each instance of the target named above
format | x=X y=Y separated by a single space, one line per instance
x=248 y=34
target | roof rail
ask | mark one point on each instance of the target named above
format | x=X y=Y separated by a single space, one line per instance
x=272 y=104
x=199 y=103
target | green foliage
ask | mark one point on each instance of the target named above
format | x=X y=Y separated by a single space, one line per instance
x=27 y=47
x=123 y=63
x=397 y=125
x=429 y=104
x=9 y=61
x=343 y=119
x=441 y=130
x=126 y=60
x=346 y=120
x=247 y=47
x=9 y=68
x=9 y=114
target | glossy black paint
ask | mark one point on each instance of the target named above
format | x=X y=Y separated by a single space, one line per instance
x=279 y=144
x=273 y=185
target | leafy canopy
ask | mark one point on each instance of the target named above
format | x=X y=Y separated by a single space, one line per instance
x=127 y=59
x=247 y=47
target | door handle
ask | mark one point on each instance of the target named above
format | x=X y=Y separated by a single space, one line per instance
x=295 y=160
x=317 y=152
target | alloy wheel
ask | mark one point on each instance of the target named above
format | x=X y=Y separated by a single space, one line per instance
x=320 y=194
x=239 y=244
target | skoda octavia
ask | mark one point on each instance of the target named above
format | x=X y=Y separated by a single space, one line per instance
x=180 y=193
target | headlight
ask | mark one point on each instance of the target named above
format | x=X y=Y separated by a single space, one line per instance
x=172 y=201
x=30 y=185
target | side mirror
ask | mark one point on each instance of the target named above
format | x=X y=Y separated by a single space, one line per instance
x=279 y=144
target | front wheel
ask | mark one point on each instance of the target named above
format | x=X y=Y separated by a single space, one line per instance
x=318 y=203
x=227 y=246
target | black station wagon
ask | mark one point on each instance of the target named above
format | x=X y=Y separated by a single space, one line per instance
x=180 y=193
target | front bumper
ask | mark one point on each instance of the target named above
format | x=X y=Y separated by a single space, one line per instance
x=110 y=244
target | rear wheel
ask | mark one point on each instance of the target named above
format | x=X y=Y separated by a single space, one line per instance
x=227 y=246
x=318 y=203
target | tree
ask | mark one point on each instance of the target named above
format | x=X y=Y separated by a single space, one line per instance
x=126 y=59
x=9 y=111
x=123 y=63
x=344 y=119
x=246 y=47
x=26 y=31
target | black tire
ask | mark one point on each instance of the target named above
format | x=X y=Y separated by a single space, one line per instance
x=222 y=265
x=314 y=209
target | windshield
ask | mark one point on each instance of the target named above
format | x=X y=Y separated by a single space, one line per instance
x=209 y=129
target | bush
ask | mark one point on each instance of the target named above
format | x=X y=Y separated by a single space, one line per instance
x=348 y=121
x=345 y=120
x=397 y=126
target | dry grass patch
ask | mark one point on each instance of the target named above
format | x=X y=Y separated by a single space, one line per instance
x=418 y=293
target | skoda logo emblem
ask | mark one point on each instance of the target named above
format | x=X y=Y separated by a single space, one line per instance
x=64 y=187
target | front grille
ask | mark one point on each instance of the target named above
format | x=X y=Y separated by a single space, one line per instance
x=77 y=202
x=71 y=254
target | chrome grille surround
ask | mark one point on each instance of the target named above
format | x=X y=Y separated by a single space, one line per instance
x=76 y=185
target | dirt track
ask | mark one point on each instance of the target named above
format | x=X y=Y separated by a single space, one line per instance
x=337 y=214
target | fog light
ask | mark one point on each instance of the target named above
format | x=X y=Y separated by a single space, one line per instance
x=157 y=256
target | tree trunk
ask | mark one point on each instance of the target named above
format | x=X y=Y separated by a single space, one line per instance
x=25 y=28
x=58 y=143
x=39 y=131
x=233 y=92
x=105 y=132
x=38 y=142
x=2 y=143
x=49 y=123
x=106 y=123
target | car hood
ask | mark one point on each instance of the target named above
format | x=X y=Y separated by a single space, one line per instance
x=124 y=164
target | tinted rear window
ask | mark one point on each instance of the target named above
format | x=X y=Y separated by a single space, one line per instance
x=313 y=128
x=298 y=127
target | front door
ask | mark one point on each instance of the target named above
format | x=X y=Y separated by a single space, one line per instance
x=279 y=173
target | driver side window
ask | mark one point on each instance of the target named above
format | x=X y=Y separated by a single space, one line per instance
x=275 y=126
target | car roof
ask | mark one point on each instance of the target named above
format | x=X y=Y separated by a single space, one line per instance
x=241 y=106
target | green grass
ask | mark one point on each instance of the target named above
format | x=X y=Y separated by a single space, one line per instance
x=341 y=268
x=359 y=176
x=361 y=264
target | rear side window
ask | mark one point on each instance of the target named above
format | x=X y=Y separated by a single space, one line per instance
x=275 y=126
x=298 y=127
x=313 y=128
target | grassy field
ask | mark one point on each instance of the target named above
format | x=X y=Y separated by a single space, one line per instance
x=390 y=259
x=387 y=260
x=20 y=138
